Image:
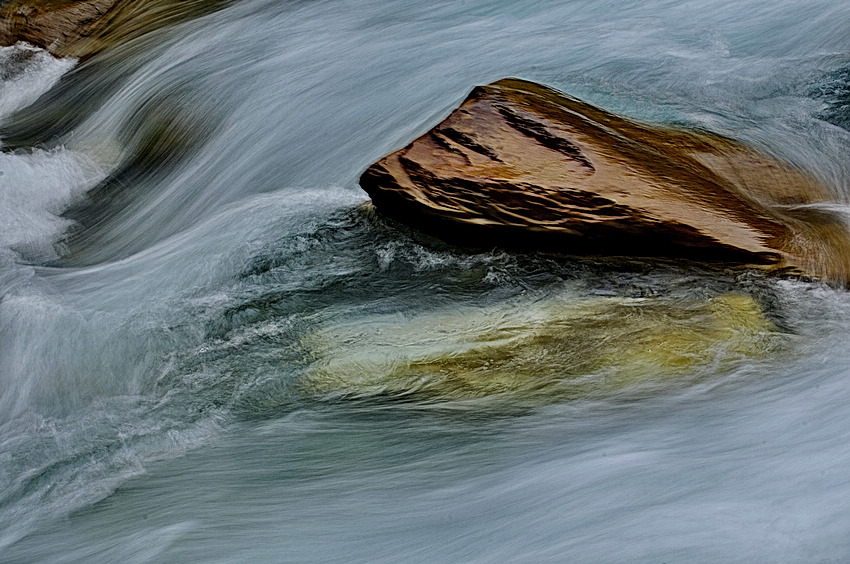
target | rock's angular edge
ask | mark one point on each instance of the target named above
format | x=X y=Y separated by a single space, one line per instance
x=521 y=165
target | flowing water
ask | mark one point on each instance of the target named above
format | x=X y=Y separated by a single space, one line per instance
x=212 y=349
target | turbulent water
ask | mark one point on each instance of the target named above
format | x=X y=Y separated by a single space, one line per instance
x=211 y=348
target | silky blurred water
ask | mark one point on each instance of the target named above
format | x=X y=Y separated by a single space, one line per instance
x=206 y=337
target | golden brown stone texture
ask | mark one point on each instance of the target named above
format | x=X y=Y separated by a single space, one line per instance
x=81 y=28
x=521 y=165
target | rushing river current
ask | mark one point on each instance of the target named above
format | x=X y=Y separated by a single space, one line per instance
x=213 y=350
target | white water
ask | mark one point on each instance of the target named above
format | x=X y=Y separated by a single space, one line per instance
x=151 y=407
x=28 y=72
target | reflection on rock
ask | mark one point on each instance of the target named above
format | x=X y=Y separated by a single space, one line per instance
x=521 y=165
x=538 y=350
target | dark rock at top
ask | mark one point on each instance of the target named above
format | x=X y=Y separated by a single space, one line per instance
x=82 y=28
x=521 y=165
x=56 y=25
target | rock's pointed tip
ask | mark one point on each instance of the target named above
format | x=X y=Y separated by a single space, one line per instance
x=509 y=83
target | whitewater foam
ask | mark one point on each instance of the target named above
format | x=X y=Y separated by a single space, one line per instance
x=37 y=184
x=27 y=72
x=35 y=187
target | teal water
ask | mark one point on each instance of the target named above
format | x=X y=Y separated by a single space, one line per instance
x=211 y=350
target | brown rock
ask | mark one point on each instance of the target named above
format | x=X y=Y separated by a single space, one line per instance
x=81 y=28
x=51 y=24
x=522 y=165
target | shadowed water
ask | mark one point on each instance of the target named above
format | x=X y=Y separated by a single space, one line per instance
x=211 y=350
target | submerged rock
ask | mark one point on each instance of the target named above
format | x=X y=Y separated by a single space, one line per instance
x=81 y=28
x=531 y=350
x=521 y=165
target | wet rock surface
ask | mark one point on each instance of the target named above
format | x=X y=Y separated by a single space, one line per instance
x=81 y=28
x=521 y=165
x=51 y=24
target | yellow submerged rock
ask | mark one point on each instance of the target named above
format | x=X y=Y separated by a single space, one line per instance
x=551 y=349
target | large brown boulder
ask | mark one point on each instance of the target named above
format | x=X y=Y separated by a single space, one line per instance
x=521 y=165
